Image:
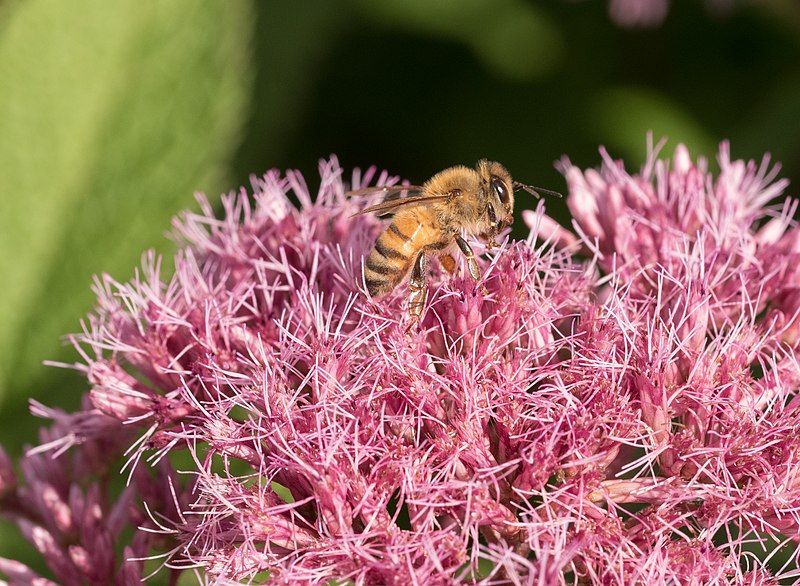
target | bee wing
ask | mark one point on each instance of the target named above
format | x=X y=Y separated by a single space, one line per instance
x=392 y=203
x=387 y=191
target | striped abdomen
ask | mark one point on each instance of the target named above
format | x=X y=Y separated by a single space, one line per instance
x=396 y=249
x=391 y=257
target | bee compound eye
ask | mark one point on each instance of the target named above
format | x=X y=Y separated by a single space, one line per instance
x=500 y=190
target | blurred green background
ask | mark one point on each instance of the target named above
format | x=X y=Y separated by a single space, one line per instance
x=113 y=113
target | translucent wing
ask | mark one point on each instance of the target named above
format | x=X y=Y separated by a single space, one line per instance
x=393 y=200
x=387 y=191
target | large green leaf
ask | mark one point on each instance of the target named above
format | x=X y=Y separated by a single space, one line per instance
x=111 y=115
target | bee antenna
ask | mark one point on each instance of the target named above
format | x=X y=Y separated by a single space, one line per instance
x=535 y=191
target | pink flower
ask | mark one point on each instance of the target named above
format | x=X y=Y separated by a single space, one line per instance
x=613 y=406
x=71 y=511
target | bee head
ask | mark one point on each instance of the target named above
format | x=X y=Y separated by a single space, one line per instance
x=499 y=191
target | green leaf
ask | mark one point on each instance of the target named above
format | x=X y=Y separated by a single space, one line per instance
x=111 y=114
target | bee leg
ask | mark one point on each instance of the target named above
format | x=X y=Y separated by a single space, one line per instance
x=472 y=264
x=419 y=290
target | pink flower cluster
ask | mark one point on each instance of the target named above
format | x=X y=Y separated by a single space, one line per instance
x=616 y=404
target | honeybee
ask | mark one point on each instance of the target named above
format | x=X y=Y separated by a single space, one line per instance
x=431 y=221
